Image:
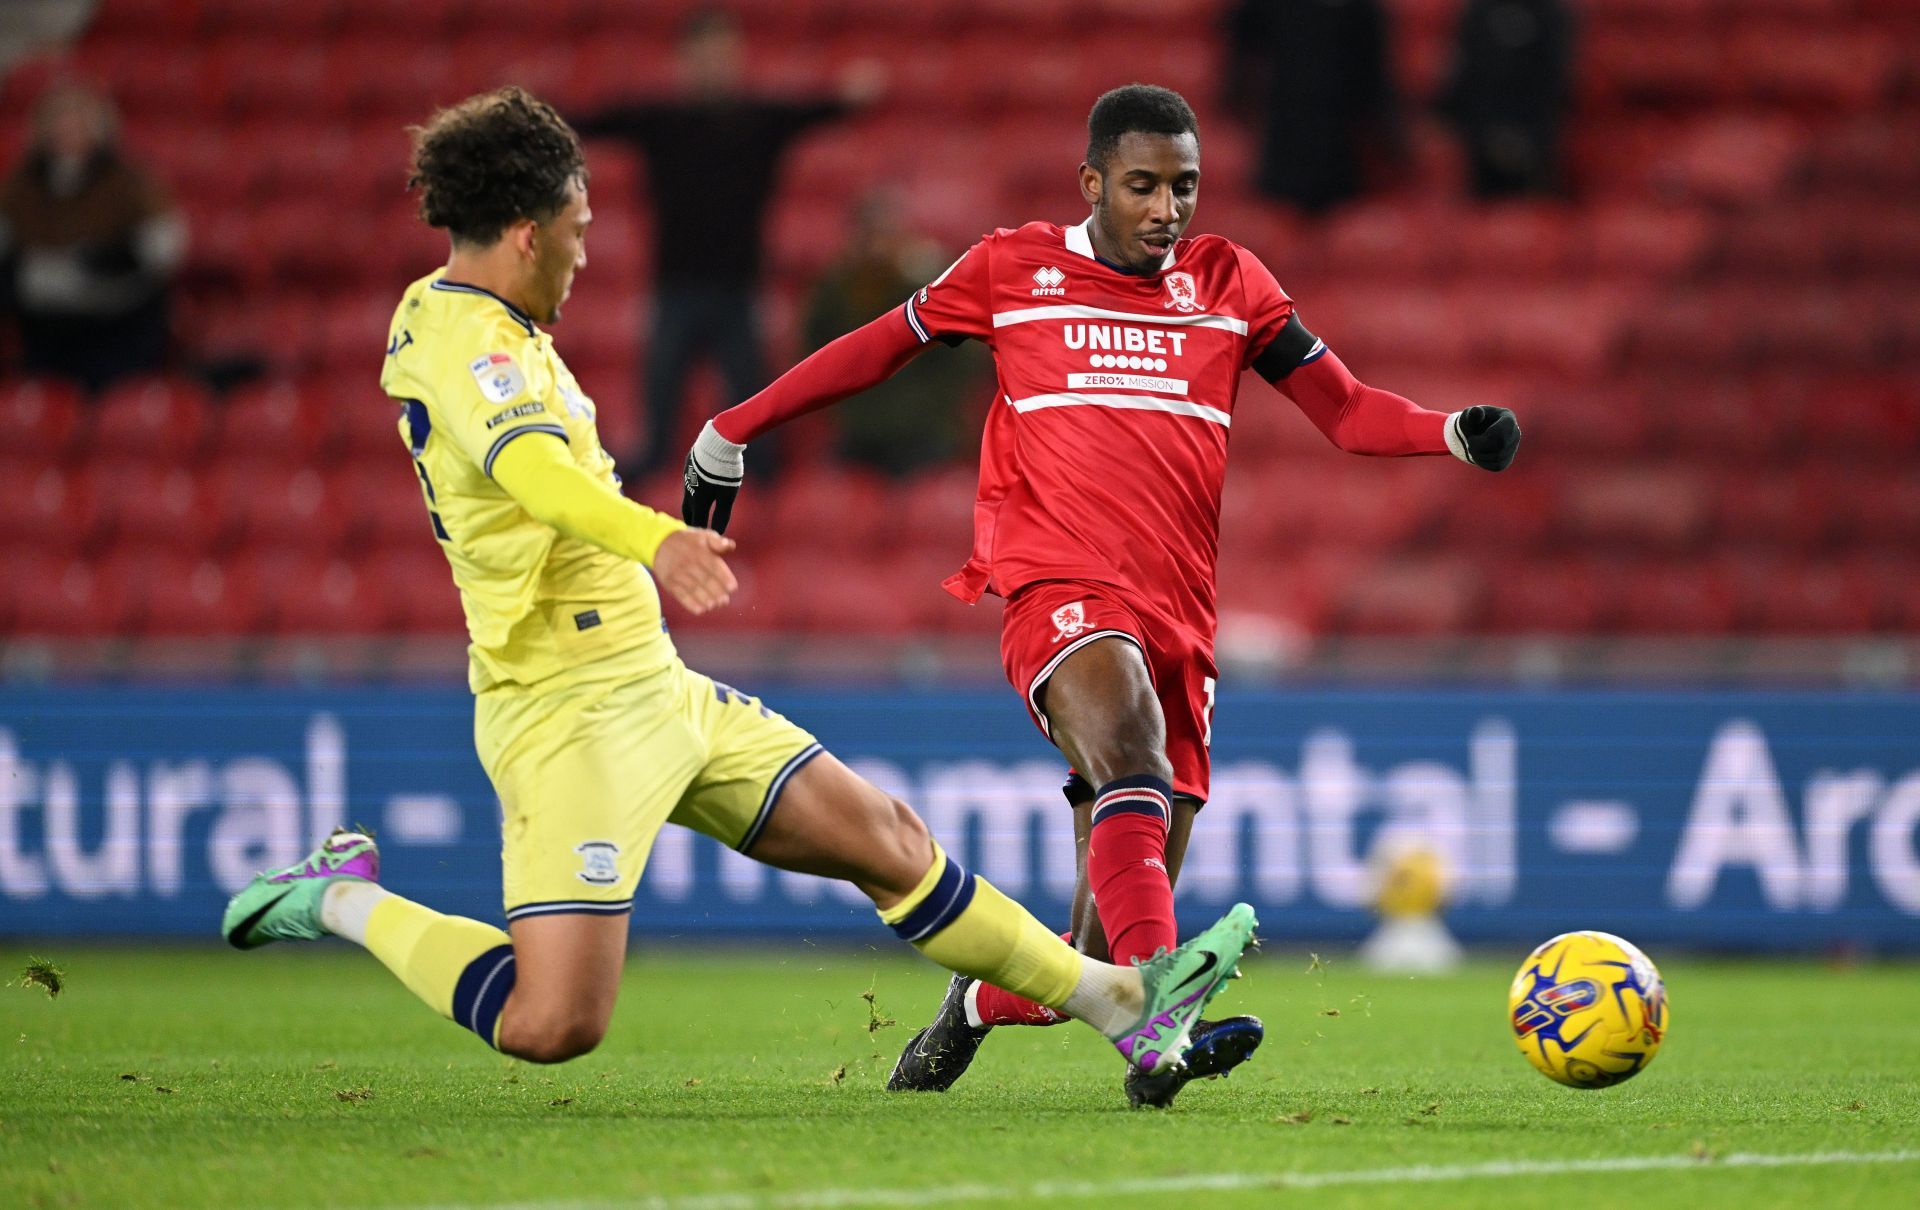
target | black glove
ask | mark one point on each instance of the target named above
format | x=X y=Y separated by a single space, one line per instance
x=1483 y=436
x=715 y=467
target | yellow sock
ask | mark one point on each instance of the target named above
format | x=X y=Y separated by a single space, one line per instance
x=965 y=925
x=462 y=968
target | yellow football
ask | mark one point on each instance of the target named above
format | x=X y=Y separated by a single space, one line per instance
x=1588 y=1009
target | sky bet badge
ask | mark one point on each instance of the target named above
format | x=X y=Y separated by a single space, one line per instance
x=499 y=378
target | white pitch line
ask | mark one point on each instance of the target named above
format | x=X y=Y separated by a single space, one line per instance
x=838 y=1199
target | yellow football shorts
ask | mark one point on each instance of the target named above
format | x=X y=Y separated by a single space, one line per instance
x=588 y=771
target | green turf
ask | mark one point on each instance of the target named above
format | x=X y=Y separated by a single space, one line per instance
x=303 y=1076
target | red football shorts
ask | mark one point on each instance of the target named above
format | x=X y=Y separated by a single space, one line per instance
x=1049 y=620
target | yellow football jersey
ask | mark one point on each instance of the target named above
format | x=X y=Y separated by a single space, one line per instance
x=472 y=373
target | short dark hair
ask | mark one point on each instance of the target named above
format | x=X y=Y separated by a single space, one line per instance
x=1136 y=108
x=492 y=160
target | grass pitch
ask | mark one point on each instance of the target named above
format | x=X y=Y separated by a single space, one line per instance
x=305 y=1076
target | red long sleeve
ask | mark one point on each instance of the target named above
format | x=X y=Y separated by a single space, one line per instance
x=862 y=358
x=1362 y=419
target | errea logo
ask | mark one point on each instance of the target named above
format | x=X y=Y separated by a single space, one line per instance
x=1047 y=281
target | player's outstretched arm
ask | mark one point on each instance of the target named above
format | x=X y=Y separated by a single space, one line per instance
x=542 y=479
x=1366 y=420
x=864 y=357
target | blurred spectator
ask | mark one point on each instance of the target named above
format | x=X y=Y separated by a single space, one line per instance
x=917 y=418
x=713 y=159
x=1509 y=93
x=89 y=242
x=1314 y=75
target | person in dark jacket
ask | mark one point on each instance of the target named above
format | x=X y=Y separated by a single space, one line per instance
x=1314 y=76
x=89 y=242
x=1509 y=93
x=713 y=157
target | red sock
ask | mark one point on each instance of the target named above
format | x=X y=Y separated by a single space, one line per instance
x=998 y=1006
x=1127 y=867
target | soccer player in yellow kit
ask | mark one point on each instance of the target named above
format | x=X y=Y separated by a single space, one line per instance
x=592 y=731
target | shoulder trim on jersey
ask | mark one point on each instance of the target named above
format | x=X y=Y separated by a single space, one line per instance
x=454 y=287
x=500 y=442
x=1027 y=315
x=1124 y=403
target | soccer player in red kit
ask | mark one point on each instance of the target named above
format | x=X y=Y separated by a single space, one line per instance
x=1119 y=347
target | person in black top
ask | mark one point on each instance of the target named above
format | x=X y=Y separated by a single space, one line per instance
x=713 y=157
x=1509 y=93
x=1313 y=77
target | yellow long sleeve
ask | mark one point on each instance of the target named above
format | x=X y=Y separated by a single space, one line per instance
x=540 y=476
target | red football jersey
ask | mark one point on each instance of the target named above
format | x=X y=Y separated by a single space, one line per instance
x=1106 y=447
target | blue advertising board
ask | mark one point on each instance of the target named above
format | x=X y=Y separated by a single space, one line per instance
x=1725 y=820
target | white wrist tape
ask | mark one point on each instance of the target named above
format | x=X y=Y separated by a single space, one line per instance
x=717 y=459
x=1456 y=444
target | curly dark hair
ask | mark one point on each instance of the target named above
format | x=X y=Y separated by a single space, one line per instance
x=491 y=160
x=1136 y=108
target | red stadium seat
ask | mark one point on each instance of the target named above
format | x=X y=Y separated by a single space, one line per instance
x=273 y=77
x=73 y=597
x=385 y=503
x=1547 y=596
x=303 y=594
x=41 y=418
x=152 y=418
x=1788 y=513
x=417 y=587
x=1685 y=596
x=178 y=593
x=271 y=419
x=152 y=20
x=1813 y=598
x=1663 y=508
x=1429 y=596
x=819 y=509
x=266 y=503
x=148 y=500
x=302 y=18
x=49 y=505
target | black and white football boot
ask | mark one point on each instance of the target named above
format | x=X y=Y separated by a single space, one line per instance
x=940 y=1053
x=1217 y=1048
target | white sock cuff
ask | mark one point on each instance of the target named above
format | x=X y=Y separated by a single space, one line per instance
x=971 y=1000
x=346 y=906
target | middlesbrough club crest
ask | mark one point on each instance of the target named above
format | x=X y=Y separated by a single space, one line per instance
x=1181 y=294
x=1069 y=620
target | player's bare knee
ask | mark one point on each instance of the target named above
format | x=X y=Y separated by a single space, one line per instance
x=1130 y=754
x=896 y=856
x=553 y=1037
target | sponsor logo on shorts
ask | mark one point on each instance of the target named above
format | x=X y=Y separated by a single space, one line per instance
x=597 y=864
x=1070 y=620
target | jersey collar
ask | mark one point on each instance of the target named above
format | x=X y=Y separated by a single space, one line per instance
x=459 y=287
x=1080 y=239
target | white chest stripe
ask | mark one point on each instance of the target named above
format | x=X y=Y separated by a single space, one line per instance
x=1027 y=315
x=1128 y=403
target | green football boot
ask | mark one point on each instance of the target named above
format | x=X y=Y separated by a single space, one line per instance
x=284 y=904
x=1178 y=985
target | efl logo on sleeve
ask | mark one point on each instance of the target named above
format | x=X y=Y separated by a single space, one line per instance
x=499 y=377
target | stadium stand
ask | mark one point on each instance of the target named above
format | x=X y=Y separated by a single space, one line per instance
x=1714 y=344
